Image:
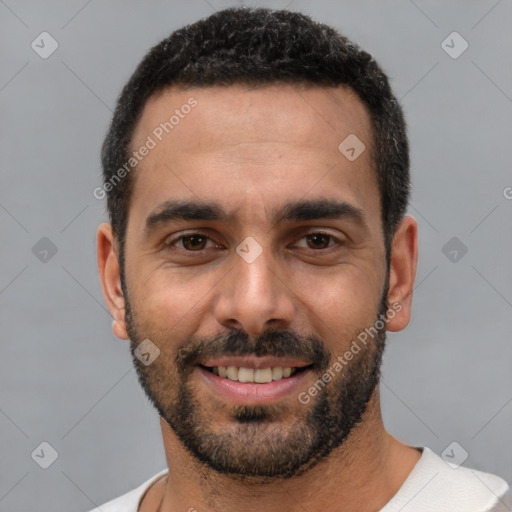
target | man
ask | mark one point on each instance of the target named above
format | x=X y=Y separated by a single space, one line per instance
x=257 y=177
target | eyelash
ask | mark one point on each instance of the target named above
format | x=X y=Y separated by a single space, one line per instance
x=170 y=245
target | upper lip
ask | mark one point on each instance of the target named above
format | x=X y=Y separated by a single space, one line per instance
x=255 y=362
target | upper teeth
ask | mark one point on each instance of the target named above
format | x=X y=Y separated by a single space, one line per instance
x=260 y=375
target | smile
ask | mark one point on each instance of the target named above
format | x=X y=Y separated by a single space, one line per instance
x=251 y=386
x=257 y=375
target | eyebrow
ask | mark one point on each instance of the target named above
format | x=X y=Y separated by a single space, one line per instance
x=304 y=210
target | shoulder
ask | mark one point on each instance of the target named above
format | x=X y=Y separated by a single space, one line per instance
x=130 y=501
x=435 y=485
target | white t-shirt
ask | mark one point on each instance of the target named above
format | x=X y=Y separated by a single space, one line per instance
x=432 y=486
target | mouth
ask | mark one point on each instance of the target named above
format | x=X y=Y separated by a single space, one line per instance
x=257 y=382
x=255 y=375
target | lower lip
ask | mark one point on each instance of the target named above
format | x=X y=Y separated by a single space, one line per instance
x=252 y=393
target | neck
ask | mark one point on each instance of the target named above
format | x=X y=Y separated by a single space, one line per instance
x=364 y=473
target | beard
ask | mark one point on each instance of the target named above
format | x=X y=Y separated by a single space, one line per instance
x=267 y=442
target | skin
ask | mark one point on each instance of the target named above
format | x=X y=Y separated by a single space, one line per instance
x=252 y=150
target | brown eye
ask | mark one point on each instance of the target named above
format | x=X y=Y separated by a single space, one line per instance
x=318 y=240
x=319 y=243
x=194 y=242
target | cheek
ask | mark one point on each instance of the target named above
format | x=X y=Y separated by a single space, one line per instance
x=342 y=301
x=168 y=299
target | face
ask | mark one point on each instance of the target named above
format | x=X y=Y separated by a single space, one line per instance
x=254 y=242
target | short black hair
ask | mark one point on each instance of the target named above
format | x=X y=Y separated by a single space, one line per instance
x=259 y=46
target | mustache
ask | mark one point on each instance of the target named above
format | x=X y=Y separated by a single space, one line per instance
x=238 y=343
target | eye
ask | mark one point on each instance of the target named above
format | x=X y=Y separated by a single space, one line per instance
x=192 y=242
x=318 y=241
x=197 y=242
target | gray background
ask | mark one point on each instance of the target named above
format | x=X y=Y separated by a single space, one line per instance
x=66 y=380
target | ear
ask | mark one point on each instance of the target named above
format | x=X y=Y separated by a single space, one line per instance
x=110 y=276
x=404 y=259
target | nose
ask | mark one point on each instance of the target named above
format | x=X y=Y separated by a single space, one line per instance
x=254 y=297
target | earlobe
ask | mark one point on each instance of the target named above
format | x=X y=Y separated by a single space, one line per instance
x=110 y=277
x=119 y=330
x=404 y=259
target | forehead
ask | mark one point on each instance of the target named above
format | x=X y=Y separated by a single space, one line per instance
x=299 y=113
x=237 y=144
